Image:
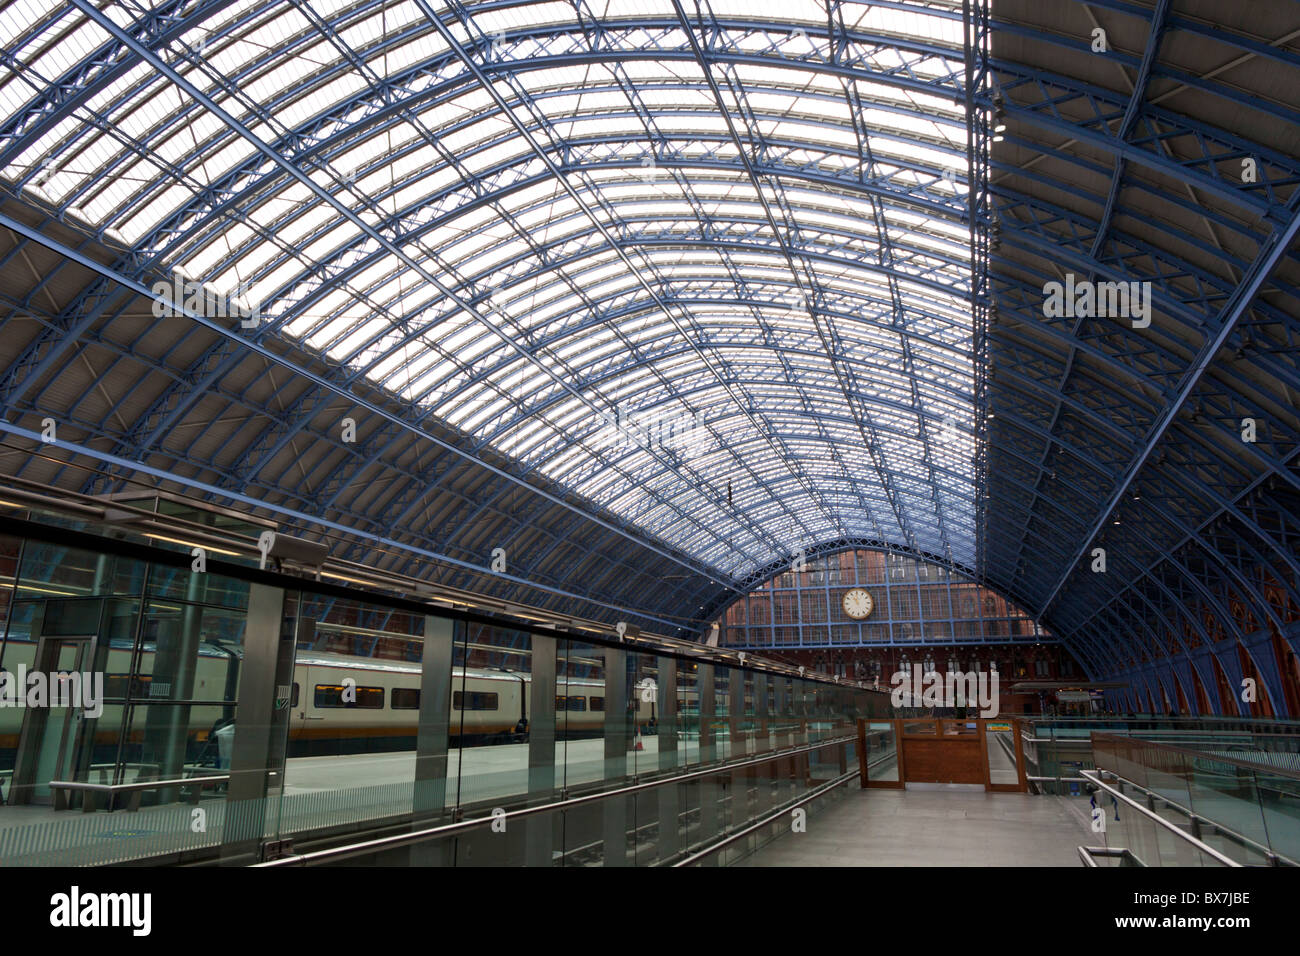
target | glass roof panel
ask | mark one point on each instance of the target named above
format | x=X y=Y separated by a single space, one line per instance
x=640 y=264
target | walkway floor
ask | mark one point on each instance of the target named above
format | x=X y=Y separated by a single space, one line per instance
x=936 y=828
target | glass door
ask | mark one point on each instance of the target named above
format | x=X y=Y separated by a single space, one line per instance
x=52 y=722
x=1004 y=755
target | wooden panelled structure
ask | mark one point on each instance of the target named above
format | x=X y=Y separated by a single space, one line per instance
x=947 y=750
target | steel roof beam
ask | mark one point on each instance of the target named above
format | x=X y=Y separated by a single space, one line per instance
x=323 y=195
x=1269 y=256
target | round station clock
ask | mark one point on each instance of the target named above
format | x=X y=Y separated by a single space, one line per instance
x=858 y=603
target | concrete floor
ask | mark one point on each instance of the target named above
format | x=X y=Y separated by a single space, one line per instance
x=935 y=828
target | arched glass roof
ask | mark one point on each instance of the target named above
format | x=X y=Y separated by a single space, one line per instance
x=706 y=267
x=655 y=297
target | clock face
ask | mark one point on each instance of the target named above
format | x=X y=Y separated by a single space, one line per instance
x=858 y=603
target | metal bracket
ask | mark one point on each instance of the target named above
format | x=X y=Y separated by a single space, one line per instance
x=277 y=849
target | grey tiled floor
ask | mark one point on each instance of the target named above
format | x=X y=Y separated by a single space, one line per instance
x=935 y=828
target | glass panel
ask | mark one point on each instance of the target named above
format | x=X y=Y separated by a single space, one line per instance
x=56 y=757
x=580 y=735
x=882 y=751
x=647 y=847
x=645 y=708
x=1279 y=799
x=688 y=713
x=350 y=755
x=491 y=720
x=180 y=584
x=746 y=730
x=720 y=728
x=19 y=652
x=50 y=570
x=1000 y=743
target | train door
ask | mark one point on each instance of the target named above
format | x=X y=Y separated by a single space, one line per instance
x=304 y=721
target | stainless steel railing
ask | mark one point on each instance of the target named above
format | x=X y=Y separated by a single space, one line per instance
x=398 y=841
x=1095 y=777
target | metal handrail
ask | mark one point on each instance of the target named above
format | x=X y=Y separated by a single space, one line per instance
x=1200 y=755
x=1198 y=819
x=204 y=779
x=772 y=816
x=1094 y=776
x=779 y=812
x=447 y=829
x=1150 y=718
x=1114 y=732
x=1088 y=854
x=61 y=789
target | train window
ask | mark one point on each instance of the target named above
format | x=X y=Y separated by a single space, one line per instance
x=404 y=698
x=366 y=698
x=598 y=703
x=477 y=700
x=115 y=686
x=294 y=701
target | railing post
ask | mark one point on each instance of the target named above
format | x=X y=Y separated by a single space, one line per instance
x=618 y=721
x=710 y=787
x=429 y=802
x=669 y=797
x=251 y=785
x=539 y=837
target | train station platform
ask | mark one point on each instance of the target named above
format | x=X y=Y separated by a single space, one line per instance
x=1132 y=800
x=260 y=716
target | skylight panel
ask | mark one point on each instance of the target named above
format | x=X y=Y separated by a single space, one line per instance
x=19 y=18
x=73 y=46
x=474 y=418
x=158 y=208
x=581 y=311
x=363 y=332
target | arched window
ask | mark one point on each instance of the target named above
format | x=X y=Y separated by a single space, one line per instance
x=809 y=606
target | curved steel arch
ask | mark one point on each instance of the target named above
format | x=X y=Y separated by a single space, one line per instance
x=479 y=247
x=1048 y=215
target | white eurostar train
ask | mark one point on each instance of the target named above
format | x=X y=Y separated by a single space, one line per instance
x=383 y=703
x=343 y=704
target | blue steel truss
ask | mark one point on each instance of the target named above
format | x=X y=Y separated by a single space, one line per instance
x=782 y=232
